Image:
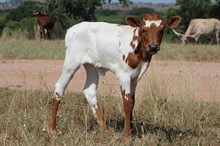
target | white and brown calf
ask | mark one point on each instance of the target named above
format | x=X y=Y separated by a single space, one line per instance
x=126 y=50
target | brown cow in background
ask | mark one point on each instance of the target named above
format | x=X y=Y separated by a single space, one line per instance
x=45 y=24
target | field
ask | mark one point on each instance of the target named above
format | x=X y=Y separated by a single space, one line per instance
x=178 y=100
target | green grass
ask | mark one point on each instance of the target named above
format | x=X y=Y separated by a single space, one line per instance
x=20 y=48
x=118 y=18
x=31 y=49
x=157 y=121
x=192 y=52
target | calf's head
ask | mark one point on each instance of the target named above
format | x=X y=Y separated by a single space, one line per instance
x=151 y=30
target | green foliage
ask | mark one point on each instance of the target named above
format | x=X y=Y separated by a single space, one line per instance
x=77 y=9
x=20 y=19
x=81 y=9
x=118 y=16
x=107 y=12
x=193 y=9
x=68 y=13
x=3 y=21
x=171 y=12
x=24 y=11
x=13 y=25
x=215 y=10
x=112 y=16
x=125 y=2
x=140 y=12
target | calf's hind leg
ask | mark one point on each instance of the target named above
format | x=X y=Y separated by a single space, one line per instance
x=69 y=69
x=92 y=78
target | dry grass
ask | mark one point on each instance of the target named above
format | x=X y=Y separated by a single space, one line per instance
x=21 y=48
x=192 y=52
x=157 y=119
x=31 y=49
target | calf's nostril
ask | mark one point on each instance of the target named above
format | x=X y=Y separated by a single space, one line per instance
x=153 y=47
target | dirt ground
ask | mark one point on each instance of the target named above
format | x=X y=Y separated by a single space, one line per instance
x=201 y=79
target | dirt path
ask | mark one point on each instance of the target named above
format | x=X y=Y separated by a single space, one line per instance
x=202 y=80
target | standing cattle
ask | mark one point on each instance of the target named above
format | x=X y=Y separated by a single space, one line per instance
x=198 y=27
x=45 y=24
x=126 y=50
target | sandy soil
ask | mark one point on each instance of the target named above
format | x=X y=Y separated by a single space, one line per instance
x=202 y=80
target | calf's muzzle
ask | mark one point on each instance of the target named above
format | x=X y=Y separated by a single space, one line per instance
x=154 y=48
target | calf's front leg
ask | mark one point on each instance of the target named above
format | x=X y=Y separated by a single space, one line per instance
x=128 y=104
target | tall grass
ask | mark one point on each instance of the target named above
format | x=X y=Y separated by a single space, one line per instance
x=193 y=52
x=22 y=48
x=158 y=120
x=31 y=49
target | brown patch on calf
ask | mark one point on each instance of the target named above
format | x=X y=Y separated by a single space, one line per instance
x=128 y=104
x=52 y=122
x=132 y=60
x=152 y=17
x=135 y=38
x=100 y=120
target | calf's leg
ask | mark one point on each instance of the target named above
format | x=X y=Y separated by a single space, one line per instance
x=128 y=104
x=52 y=122
x=92 y=78
x=69 y=69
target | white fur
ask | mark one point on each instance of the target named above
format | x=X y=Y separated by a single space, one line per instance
x=136 y=34
x=148 y=23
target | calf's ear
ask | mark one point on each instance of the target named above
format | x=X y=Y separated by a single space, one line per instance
x=172 y=21
x=132 y=21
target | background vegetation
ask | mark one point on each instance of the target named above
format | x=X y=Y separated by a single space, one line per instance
x=21 y=48
x=68 y=13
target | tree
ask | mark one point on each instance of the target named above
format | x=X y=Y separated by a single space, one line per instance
x=84 y=9
x=193 y=9
x=19 y=19
x=215 y=10
x=80 y=9
x=25 y=10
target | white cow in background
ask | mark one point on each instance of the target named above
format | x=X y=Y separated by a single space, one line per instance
x=198 y=27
